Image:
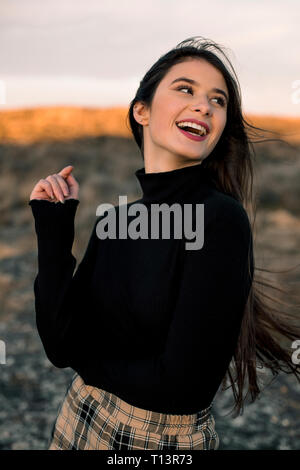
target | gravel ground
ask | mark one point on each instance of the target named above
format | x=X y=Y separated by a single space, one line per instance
x=32 y=389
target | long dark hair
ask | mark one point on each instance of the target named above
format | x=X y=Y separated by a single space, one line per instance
x=231 y=164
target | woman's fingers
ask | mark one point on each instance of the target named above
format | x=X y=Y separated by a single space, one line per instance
x=73 y=186
x=48 y=188
x=72 y=181
x=57 y=186
x=64 y=173
x=42 y=190
x=63 y=184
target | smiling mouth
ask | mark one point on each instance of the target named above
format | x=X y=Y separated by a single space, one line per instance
x=192 y=136
x=198 y=131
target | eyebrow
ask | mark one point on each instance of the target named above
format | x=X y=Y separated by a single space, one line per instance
x=193 y=82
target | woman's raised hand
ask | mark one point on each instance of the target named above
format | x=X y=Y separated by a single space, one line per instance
x=57 y=187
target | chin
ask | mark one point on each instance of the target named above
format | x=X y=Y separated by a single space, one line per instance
x=194 y=155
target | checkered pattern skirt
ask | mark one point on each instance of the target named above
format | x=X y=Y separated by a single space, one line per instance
x=90 y=418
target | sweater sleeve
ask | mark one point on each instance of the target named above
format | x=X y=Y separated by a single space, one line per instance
x=206 y=320
x=61 y=300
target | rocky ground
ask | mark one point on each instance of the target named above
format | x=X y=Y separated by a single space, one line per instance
x=31 y=388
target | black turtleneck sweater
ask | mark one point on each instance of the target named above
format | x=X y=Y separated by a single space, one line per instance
x=147 y=319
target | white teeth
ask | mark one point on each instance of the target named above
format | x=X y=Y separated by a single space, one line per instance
x=193 y=124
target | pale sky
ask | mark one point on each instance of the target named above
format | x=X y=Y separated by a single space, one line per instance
x=95 y=52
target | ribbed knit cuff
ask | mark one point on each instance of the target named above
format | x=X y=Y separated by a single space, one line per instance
x=45 y=211
x=44 y=207
x=54 y=222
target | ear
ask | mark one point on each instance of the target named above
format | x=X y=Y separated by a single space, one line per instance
x=141 y=113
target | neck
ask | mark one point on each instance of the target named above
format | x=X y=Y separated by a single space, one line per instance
x=159 y=166
x=172 y=185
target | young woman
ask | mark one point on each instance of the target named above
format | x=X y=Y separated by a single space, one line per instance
x=150 y=326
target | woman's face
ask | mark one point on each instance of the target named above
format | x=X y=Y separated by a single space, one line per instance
x=165 y=145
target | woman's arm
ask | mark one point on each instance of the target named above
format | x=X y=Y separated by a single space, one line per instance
x=61 y=300
x=206 y=321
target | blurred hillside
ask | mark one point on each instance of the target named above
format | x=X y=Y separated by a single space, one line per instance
x=26 y=126
x=38 y=142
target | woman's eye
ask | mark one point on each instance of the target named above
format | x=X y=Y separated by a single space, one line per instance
x=185 y=88
x=221 y=100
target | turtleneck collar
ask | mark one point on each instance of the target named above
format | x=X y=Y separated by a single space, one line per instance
x=170 y=186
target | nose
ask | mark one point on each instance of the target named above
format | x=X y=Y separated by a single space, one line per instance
x=203 y=107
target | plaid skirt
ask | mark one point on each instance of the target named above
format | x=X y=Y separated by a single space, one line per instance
x=90 y=418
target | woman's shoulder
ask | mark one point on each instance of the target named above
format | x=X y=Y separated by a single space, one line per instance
x=220 y=207
x=226 y=204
